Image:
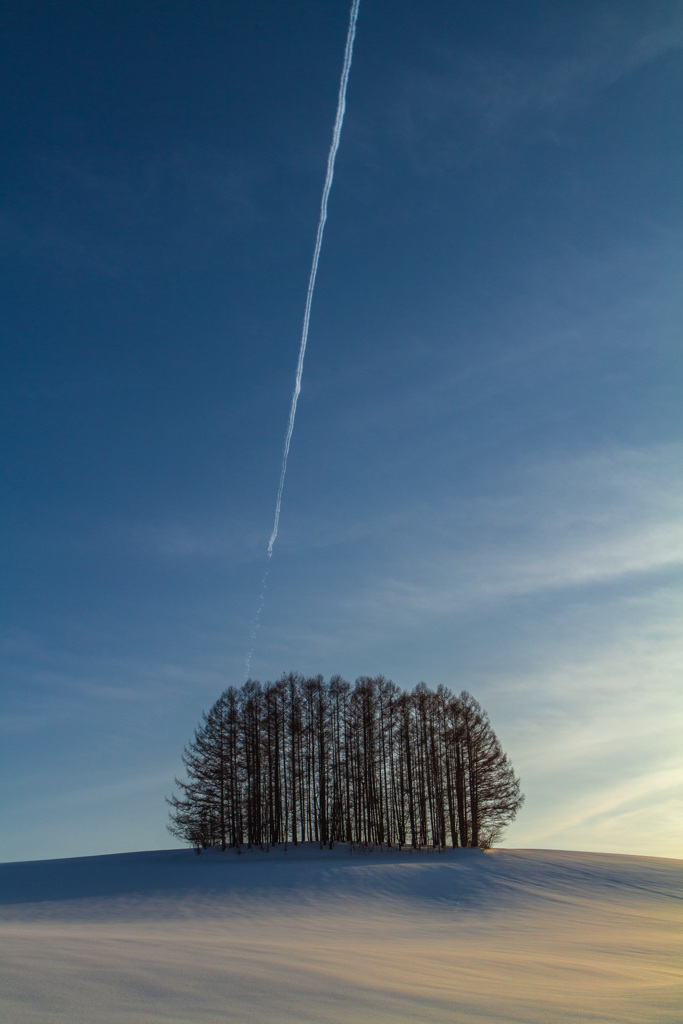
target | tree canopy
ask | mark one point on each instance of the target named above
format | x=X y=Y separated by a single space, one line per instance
x=302 y=759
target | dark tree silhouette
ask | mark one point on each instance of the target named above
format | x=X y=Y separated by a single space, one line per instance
x=304 y=760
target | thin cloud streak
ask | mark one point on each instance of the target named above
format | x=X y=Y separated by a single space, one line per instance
x=593 y=726
x=502 y=94
x=592 y=814
x=596 y=520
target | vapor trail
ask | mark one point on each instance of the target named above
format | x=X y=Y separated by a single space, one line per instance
x=338 y=122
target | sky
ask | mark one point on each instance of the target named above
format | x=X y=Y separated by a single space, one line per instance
x=484 y=488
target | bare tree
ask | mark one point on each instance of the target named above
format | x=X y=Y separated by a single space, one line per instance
x=302 y=759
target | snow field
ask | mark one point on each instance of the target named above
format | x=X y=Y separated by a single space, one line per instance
x=463 y=936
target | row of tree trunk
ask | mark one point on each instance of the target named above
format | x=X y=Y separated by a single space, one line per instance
x=307 y=760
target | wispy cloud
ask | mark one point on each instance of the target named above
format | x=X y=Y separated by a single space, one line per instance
x=503 y=91
x=491 y=94
x=615 y=816
x=591 y=520
x=593 y=720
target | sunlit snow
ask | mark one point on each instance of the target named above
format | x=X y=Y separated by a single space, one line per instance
x=330 y=936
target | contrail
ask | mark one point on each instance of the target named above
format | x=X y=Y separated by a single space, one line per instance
x=338 y=122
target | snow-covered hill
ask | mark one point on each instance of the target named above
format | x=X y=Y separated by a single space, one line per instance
x=331 y=936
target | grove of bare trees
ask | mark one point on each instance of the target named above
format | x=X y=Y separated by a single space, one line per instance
x=304 y=760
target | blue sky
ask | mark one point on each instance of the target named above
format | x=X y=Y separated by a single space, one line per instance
x=484 y=487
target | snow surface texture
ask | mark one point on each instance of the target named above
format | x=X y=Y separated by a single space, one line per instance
x=329 y=936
